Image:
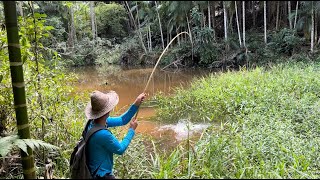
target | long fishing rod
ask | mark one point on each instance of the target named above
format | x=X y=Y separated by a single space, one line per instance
x=159 y=61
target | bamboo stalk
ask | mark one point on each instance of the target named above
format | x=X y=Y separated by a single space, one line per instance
x=18 y=86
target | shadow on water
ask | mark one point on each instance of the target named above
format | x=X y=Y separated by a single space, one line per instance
x=129 y=83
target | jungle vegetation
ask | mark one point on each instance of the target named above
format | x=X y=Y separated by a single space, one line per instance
x=265 y=99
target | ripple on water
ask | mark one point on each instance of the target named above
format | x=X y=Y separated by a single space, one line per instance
x=181 y=128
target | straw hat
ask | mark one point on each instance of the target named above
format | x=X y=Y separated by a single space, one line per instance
x=101 y=104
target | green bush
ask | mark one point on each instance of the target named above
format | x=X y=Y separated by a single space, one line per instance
x=129 y=52
x=285 y=41
x=111 y=20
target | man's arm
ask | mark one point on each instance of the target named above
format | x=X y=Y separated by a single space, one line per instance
x=111 y=143
x=124 y=118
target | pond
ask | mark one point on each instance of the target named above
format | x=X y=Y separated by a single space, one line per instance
x=130 y=82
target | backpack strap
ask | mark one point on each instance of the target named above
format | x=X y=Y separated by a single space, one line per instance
x=93 y=130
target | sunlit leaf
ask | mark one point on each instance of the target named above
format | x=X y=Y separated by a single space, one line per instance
x=48 y=28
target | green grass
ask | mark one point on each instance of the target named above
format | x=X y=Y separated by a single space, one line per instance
x=269 y=119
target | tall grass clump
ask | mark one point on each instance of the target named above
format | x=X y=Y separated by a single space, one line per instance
x=269 y=123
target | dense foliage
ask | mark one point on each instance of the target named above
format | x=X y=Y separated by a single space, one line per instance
x=136 y=32
x=269 y=123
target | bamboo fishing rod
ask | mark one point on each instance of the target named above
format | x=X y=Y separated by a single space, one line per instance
x=159 y=61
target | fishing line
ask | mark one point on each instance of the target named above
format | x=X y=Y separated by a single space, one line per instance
x=159 y=61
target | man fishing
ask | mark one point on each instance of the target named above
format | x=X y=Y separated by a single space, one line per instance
x=103 y=144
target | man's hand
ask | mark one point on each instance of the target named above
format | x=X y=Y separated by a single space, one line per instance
x=140 y=99
x=134 y=124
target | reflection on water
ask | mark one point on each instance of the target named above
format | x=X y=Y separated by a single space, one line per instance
x=129 y=83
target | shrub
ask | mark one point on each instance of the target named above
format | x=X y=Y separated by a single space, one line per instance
x=111 y=20
x=284 y=41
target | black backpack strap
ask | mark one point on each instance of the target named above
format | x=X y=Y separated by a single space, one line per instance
x=93 y=130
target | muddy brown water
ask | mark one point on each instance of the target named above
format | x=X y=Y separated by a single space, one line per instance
x=129 y=83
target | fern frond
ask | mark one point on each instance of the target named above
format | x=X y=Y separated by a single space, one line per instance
x=9 y=142
x=21 y=145
x=37 y=144
x=6 y=144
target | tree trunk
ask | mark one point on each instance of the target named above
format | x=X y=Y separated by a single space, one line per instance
x=289 y=11
x=295 y=18
x=137 y=28
x=209 y=15
x=72 y=32
x=178 y=38
x=16 y=69
x=170 y=37
x=144 y=47
x=150 y=41
x=254 y=15
x=277 y=20
x=95 y=20
x=188 y=23
x=131 y=18
x=315 y=27
x=244 y=23
x=236 y=8
x=225 y=21
x=92 y=15
x=160 y=25
x=203 y=18
x=312 y=26
x=190 y=36
x=20 y=3
x=213 y=20
x=265 y=21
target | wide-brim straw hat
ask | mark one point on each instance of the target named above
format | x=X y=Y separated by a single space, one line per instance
x=101 y=103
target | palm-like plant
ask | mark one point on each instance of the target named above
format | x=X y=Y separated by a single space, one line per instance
x=306 y=22
x=179 y=14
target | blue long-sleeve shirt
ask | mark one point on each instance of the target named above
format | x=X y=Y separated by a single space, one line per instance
x=103 y=144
